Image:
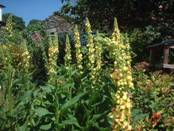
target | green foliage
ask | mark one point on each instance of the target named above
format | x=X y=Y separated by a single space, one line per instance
x=37 y=41
x=140 y=39
x=36 y=26
x=11 y=35
x=69 y=105
x=18 y=21
x=136 y=13
x=68 y=101
x=14 y=81
x=153 y=97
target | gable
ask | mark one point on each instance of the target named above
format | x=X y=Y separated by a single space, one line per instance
x=58 y=24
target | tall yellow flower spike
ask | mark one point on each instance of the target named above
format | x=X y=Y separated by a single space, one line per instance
x=98 y=59
x=98 y=54
x=79 y=56
x=26 y=58
x=91 y=48
x=116 y=32
x=9 y=26
x=53 y=51
x=122 y=77
x=67 y=52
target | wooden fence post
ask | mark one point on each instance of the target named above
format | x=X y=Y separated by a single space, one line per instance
x=166 y=55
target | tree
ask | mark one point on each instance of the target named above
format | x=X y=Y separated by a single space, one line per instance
x=10 y=34
x=36 y=25
x=18 y=21
x=130 y=13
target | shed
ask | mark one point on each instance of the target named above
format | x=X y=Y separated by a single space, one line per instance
x=162 y=54
x=57 y=24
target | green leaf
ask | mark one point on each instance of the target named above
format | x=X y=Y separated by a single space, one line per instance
x=45 y=127
x=96 y=116
x=22 y=128
x=42 y=111
x=47 y=88
x=26 y=98
x=72 y=101
x=71 y=121
x=138 y=115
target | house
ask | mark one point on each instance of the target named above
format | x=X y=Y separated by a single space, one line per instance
x=1 y=21
x=57 y=24
x=162 y=54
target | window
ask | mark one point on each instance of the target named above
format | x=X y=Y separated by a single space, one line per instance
x=53 y=37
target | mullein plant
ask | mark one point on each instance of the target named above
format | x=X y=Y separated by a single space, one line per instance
x=9 y=26
x=8 y=70
x=7 y=73
x=91 y=49
x=53 y=51
x=122 y=77
x=67 y=52
x=15 y=61
x=20 y=52
x=98 y=58
x=9 y=30
x=26 y=58
x=78 y=51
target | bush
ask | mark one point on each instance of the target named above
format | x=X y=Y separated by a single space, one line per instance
x=140 y=39
x=153 y=101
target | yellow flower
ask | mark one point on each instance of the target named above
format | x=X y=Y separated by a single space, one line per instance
x=123 y=80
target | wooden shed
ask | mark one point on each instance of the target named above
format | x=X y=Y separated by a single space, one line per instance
x=162 y=54
x=57 y=24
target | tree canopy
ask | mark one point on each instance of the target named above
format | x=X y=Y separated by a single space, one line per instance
x=136 y=13
x=18 y=21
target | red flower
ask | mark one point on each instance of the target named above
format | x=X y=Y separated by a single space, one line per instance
x=155 y=118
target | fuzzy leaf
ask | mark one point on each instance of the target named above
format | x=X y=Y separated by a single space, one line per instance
x=72 y=101
x=45 y=127
x=71 y=121
x=42 y=111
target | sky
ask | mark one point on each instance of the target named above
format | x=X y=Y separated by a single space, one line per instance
x=31 y=9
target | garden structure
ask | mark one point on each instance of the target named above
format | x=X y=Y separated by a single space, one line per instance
x=1 y=21
x=161 y=54
x=57 y=24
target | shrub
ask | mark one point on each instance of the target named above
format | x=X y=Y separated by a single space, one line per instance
x=152 y=98
x=140 y=39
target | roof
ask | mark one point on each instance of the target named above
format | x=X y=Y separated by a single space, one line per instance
x=2 y=6
x=163 y=43
x=58 y=23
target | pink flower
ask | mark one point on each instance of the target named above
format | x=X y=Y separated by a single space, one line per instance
x=36 y=37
